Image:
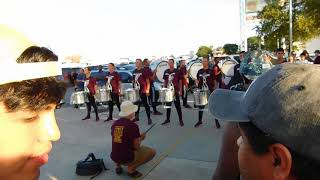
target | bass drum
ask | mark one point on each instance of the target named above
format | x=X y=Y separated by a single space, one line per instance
x=194 y=68
x=228 y=67
x=161 y=68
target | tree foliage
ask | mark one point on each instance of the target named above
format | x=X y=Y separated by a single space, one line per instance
x=274 y=23
x=253 y=43
x=204 y=51
x=230 y=48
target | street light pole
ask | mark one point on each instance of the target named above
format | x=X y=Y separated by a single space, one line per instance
x=290 y=27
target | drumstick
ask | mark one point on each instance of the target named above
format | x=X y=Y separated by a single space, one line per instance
x=150 y=128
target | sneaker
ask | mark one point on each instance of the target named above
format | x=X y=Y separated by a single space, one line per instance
x=157 y=113
x=149 y=121
x=109 y=119
x=166 y=122
x=86 y=118
x=119 y=170
x=97 y=118
x=217 y=124
x=187 y=106
x=198 y=124
x=181 y=123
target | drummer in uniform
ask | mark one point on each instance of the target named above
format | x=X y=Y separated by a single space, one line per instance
x=205 y=76
x=141 y=77
x=173 y=76
x=115 y=81
x=90 y=87
x=153 y=98
x=185 y=81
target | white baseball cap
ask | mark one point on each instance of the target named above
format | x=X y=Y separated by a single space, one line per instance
x=12 y=44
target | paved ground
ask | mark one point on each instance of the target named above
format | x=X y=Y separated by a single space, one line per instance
x=185 y=153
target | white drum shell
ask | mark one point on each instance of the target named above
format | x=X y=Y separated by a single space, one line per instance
x=132 y=95
x=200 y=97
x=79 y=98
x=166 y=95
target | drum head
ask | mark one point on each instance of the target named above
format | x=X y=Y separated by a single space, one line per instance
x=161 y=68
x=194 y=68
x=227 y=67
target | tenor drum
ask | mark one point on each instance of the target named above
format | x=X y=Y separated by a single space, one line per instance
x=166 y=95
x=200 y=97
x=194 y=68
x=78 y=98
x=132 y=95
x=103 y=95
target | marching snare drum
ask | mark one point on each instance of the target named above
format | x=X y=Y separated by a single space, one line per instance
x=200 y=97
x=132 y=95
x=103 y=95
x=166 y=95
x=79 y=97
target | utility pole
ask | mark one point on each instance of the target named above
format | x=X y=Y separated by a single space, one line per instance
x=290 y=27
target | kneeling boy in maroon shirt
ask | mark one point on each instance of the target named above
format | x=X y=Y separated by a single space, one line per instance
x=126 y=142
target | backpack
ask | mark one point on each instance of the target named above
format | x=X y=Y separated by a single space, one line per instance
x=91 y=167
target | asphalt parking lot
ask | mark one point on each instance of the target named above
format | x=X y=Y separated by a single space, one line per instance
x=185 y=153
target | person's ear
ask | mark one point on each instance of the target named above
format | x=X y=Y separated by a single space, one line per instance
x=282 y=161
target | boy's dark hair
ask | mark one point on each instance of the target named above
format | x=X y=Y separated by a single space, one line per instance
x=139 y=60
x=89 y=68
x=112 y=64
x=171 y=60
x=280 y=50
x=35 y=94
x=302 y=54
x=302 y=166
x=242 y=52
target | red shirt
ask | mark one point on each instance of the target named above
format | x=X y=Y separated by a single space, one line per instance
x=91 y=83
x=175 y=81
x=148 y=72
x=142 y=79
x=123 y=132
x=115 y=81
x=183 y=72
x=209 y=79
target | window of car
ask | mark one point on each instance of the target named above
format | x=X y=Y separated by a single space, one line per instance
x=125 y=77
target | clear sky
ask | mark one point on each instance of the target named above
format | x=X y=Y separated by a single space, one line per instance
x=109 y=29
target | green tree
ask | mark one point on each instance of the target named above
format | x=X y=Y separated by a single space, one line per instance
x=253 y=43
x=204 y=51
x=274 y=23
x=230 y=48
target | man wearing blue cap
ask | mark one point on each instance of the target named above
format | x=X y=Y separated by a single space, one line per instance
x=279 y=123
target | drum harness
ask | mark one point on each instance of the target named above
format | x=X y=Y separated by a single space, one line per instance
x=136 y=82
x=171 y=87
x=205 y=86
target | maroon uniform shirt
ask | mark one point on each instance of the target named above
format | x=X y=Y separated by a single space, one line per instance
x=123 y=132
x=183 y=73
x=115 y=81
x=148 y=72
x=175 y=81
x=91 y=83
x=142 y=79
x=209 y=79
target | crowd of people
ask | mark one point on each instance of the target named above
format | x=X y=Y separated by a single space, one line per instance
x=272 y=134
